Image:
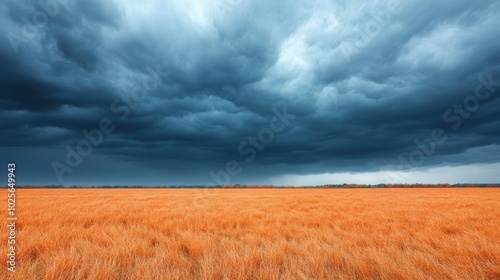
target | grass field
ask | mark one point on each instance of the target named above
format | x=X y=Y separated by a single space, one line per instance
x=256 y=234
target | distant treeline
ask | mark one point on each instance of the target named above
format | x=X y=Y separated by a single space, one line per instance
x=237 y=186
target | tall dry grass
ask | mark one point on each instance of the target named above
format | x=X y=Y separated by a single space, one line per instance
x=256 y=234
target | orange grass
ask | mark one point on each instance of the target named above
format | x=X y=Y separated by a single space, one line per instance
x=256 y=234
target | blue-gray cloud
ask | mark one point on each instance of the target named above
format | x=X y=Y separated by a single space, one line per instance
x=363 y=80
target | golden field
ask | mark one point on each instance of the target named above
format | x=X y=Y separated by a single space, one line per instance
x=424 y=233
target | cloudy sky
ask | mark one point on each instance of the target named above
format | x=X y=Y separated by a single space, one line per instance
x=250 y=92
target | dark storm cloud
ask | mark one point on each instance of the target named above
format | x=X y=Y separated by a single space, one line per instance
x=364 y=81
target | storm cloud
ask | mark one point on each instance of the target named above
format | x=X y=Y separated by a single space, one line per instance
x=198 y=92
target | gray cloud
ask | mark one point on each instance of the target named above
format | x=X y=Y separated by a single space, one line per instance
x=364 y=80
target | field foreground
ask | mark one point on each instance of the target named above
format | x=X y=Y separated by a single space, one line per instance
x=256 y=234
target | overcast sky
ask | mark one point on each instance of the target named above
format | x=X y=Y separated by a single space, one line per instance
x=250 y=92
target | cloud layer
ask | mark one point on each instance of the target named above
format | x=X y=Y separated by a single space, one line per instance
x=184 y=85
